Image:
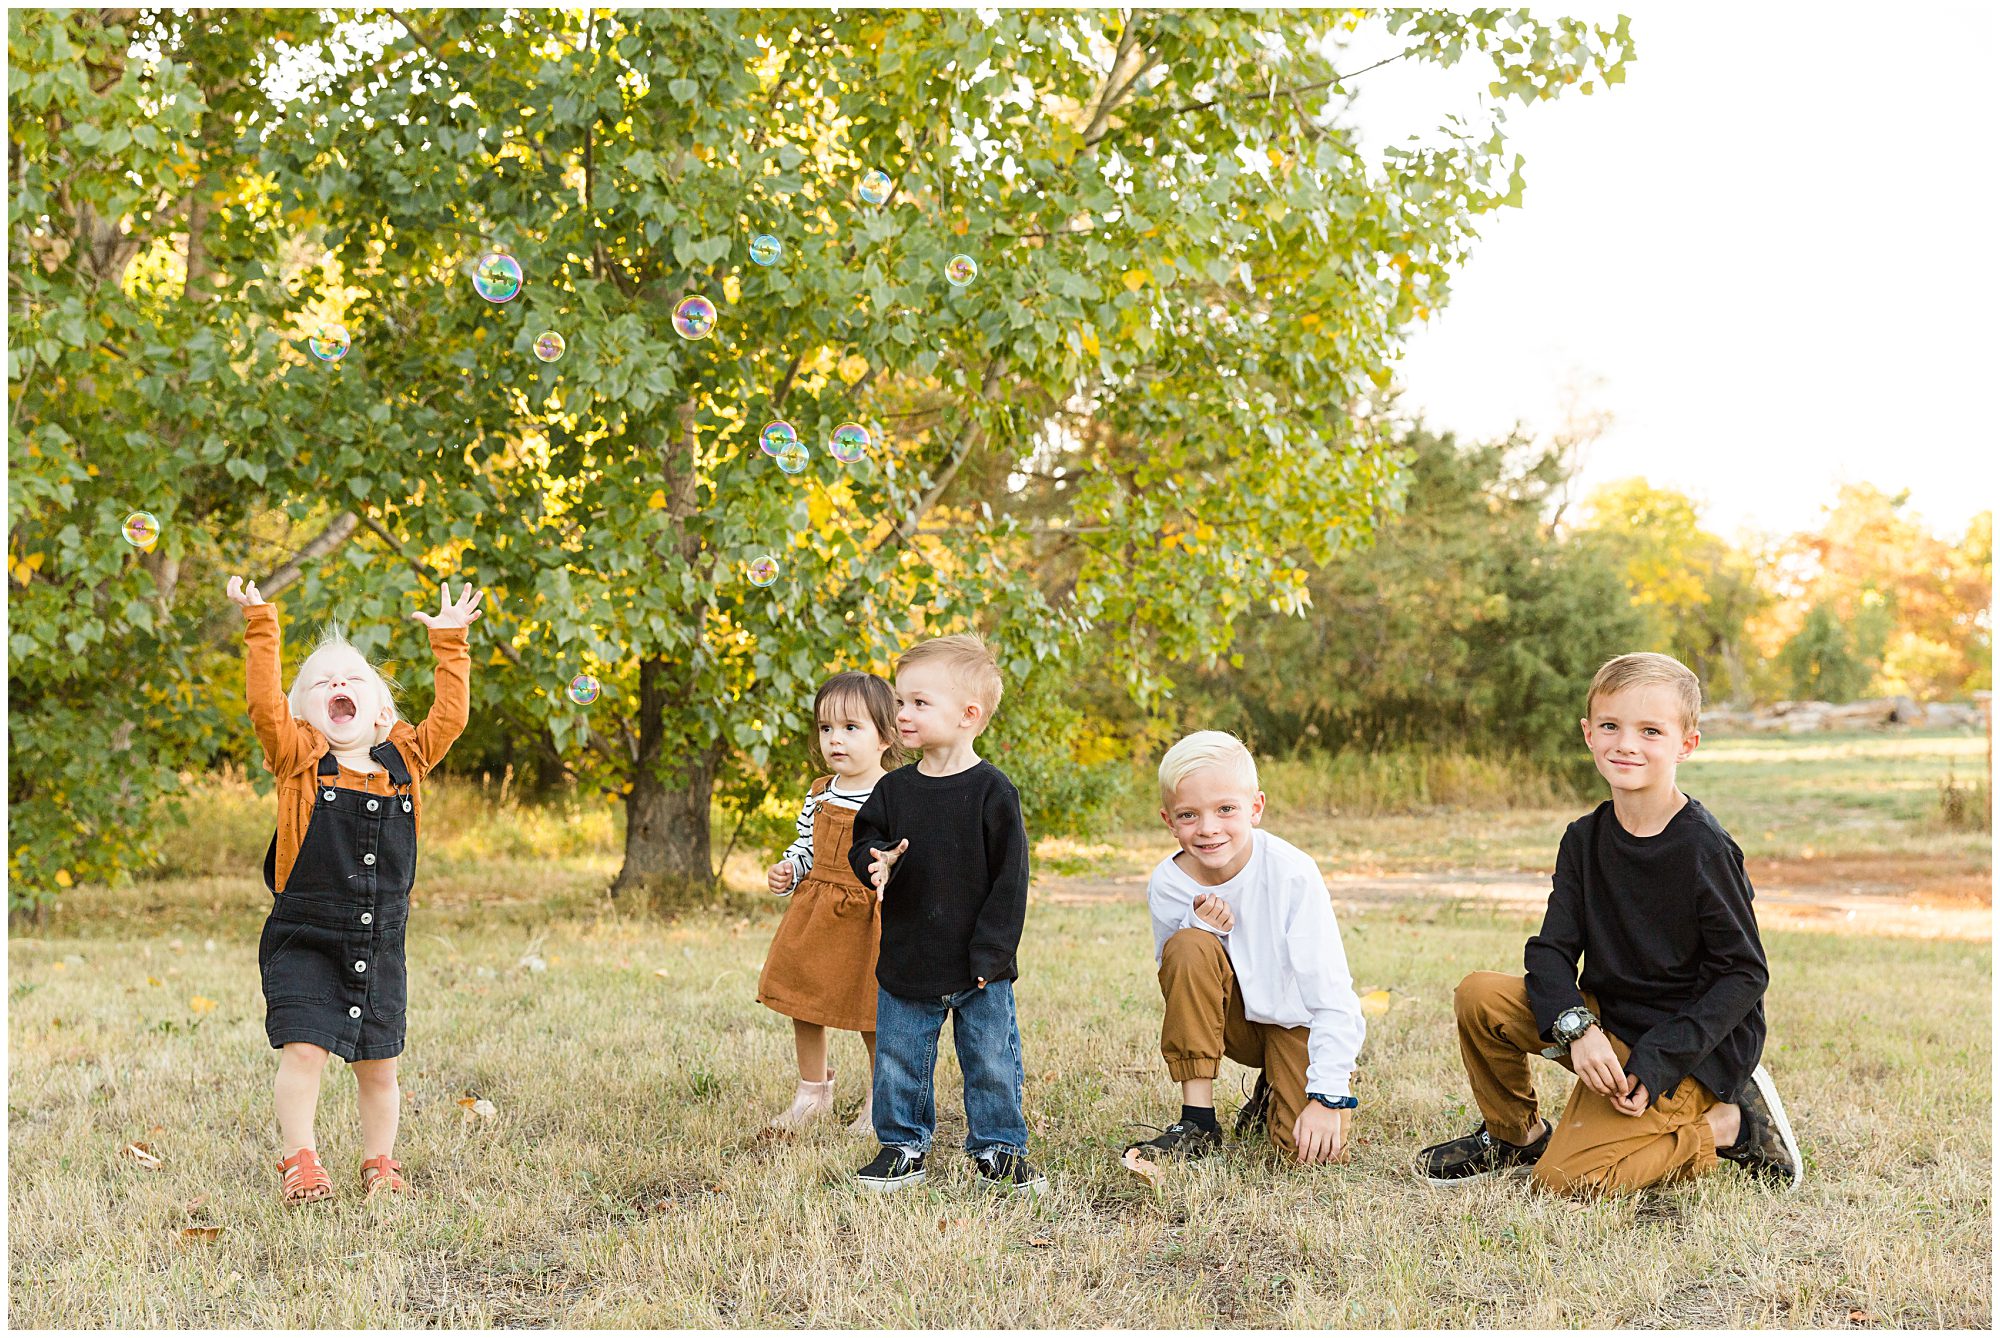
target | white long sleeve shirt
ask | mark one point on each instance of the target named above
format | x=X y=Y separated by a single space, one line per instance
x=1284 y=948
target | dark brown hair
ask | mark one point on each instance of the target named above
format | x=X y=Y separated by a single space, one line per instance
x=877 y=701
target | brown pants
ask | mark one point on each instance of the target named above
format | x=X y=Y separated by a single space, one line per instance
x=1204 y=1021
x=1595 y=1147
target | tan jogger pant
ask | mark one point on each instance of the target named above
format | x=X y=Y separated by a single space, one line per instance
x=1595 y=1147
x=1204 y=1021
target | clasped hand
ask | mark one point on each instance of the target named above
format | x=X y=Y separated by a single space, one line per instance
x=1597 y=1067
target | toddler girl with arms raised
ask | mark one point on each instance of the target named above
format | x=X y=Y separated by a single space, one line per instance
x=820 y=971
x=340 y=869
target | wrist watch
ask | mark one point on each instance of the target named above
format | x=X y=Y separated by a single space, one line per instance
x=1571 y=1023
x=1334 y=1102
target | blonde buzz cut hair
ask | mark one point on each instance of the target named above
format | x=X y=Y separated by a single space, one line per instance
x=966 y=661
x=1642 y=669
x=1203 y=749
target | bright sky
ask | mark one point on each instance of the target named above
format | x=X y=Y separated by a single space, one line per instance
x=1772 y=249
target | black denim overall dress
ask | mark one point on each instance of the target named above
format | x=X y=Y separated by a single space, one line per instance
x=331 y=956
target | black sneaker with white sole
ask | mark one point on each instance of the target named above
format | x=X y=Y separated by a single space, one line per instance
x=1179 y=1141
x=1008 y=1172
x=1478 y=1155
x=893 y=1168
x=1765 y=1146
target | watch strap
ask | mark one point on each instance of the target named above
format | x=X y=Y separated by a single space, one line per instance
x=1334 y=1102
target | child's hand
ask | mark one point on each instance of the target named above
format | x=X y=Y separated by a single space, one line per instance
x=1596 y=1064
x=1214 y=911
x=780 y=876
x=882 y=862
x=239 y=593
x=1321 y=1134
x=1633 y=1102
x=462 y=614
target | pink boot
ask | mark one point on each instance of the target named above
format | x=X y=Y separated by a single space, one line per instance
x=813 y=1100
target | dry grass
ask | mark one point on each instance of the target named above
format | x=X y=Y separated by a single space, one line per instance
x=621 y=1183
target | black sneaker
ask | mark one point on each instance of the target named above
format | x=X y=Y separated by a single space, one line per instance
x=1008 y=1171
x=1256 y=1113
x=1180 y=1141
x=1765 y=1146
x=1478 y=1155
x=893 y=1168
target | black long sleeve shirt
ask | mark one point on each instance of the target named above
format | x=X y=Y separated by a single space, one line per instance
x=952 y=912
x=1669 y=946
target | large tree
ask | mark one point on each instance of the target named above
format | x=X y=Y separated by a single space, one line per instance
x=1136 y=421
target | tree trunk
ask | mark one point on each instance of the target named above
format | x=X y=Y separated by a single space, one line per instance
x=666 y=816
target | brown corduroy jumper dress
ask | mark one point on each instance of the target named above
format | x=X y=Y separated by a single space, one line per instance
x=821 y=966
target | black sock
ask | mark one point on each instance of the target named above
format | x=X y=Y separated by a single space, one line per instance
x=1201 y=1117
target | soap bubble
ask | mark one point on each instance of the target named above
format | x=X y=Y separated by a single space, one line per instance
x=583 y=689
x=777 y=435
x=498 y=277
x=694 y=318
x=875 y=186
x=141 y=529
x=765 y=249
x=329 y=343
x=960 y=270
x=793 y=456
x=763 y=570
x=850 y=442
x=550 y=346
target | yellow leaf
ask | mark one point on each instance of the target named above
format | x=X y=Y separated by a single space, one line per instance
x=658 y=500
x=852 y=368
x=732 y=288
x=1375 y=1003
x=62 y=878
x=155 y=981
x=201 y=1005
x=1135 y=279
x=1090 y=340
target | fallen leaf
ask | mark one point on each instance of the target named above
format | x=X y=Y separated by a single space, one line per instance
x=477 y=1108
x=194 y=1205
x=201 y=1005
x=1040 y=1242
x=156 y=1131
x=1140 y=1167
x=58 y=966
x=1860 y=1317
x=142 y=1154
x=662 y=973
x=205 y=1234
x=947 y=1223
x=155 y=982
x=1375 y=1003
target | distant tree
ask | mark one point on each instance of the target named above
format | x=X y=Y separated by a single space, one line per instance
x=1827 y=660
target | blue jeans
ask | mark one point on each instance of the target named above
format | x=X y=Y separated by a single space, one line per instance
x=989 y=1051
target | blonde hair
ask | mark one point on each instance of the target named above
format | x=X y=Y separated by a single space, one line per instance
x=1206 y=748
x=1647 y=667
x=333 y=637
x=968 y=663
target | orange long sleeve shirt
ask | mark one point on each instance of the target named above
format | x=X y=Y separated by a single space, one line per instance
x=292 y=748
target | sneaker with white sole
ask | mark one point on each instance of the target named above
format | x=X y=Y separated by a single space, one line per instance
x=1479 y=1155
x=1765 y=1146
x=892 y=1169
x=1008 y=1172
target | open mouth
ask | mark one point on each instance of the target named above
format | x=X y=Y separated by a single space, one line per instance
x=340 y=708
x=1211 y=847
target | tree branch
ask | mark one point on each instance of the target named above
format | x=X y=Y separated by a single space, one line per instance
x=1289 y=92
x=325 y=542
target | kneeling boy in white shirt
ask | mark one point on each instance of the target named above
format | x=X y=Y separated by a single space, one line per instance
x=1251 y=966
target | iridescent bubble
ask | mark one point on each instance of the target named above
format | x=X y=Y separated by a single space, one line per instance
x=960 y=270
x=141 y=529
x=765 y=249
x=694 y=318
x=875 y=187
x=498 y=277
x=793 y=456
x=550 y=346
x=777 y=435
x=850 y=442
x=763 y=570
x=329 y=343
x=583 y=689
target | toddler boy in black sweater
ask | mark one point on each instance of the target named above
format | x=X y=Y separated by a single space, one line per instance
x=1665 y=1025
x=944 y=846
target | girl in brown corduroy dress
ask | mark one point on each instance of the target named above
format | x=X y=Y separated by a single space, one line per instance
x=820 y=971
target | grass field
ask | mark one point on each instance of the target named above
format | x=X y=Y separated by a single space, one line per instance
x=621 y=1183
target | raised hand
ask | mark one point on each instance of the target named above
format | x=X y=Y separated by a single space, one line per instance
x=241 y=594
x=1214 y=911
x=882 y=862
x=461 y=614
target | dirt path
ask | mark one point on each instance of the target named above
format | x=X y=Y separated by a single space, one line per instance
x=1849 y=896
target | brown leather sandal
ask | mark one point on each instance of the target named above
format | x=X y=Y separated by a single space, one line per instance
x=306 y=1181
x=387 y=1174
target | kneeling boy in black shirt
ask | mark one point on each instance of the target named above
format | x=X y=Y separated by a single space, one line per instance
x=944 y=846
x=1665 y=1026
